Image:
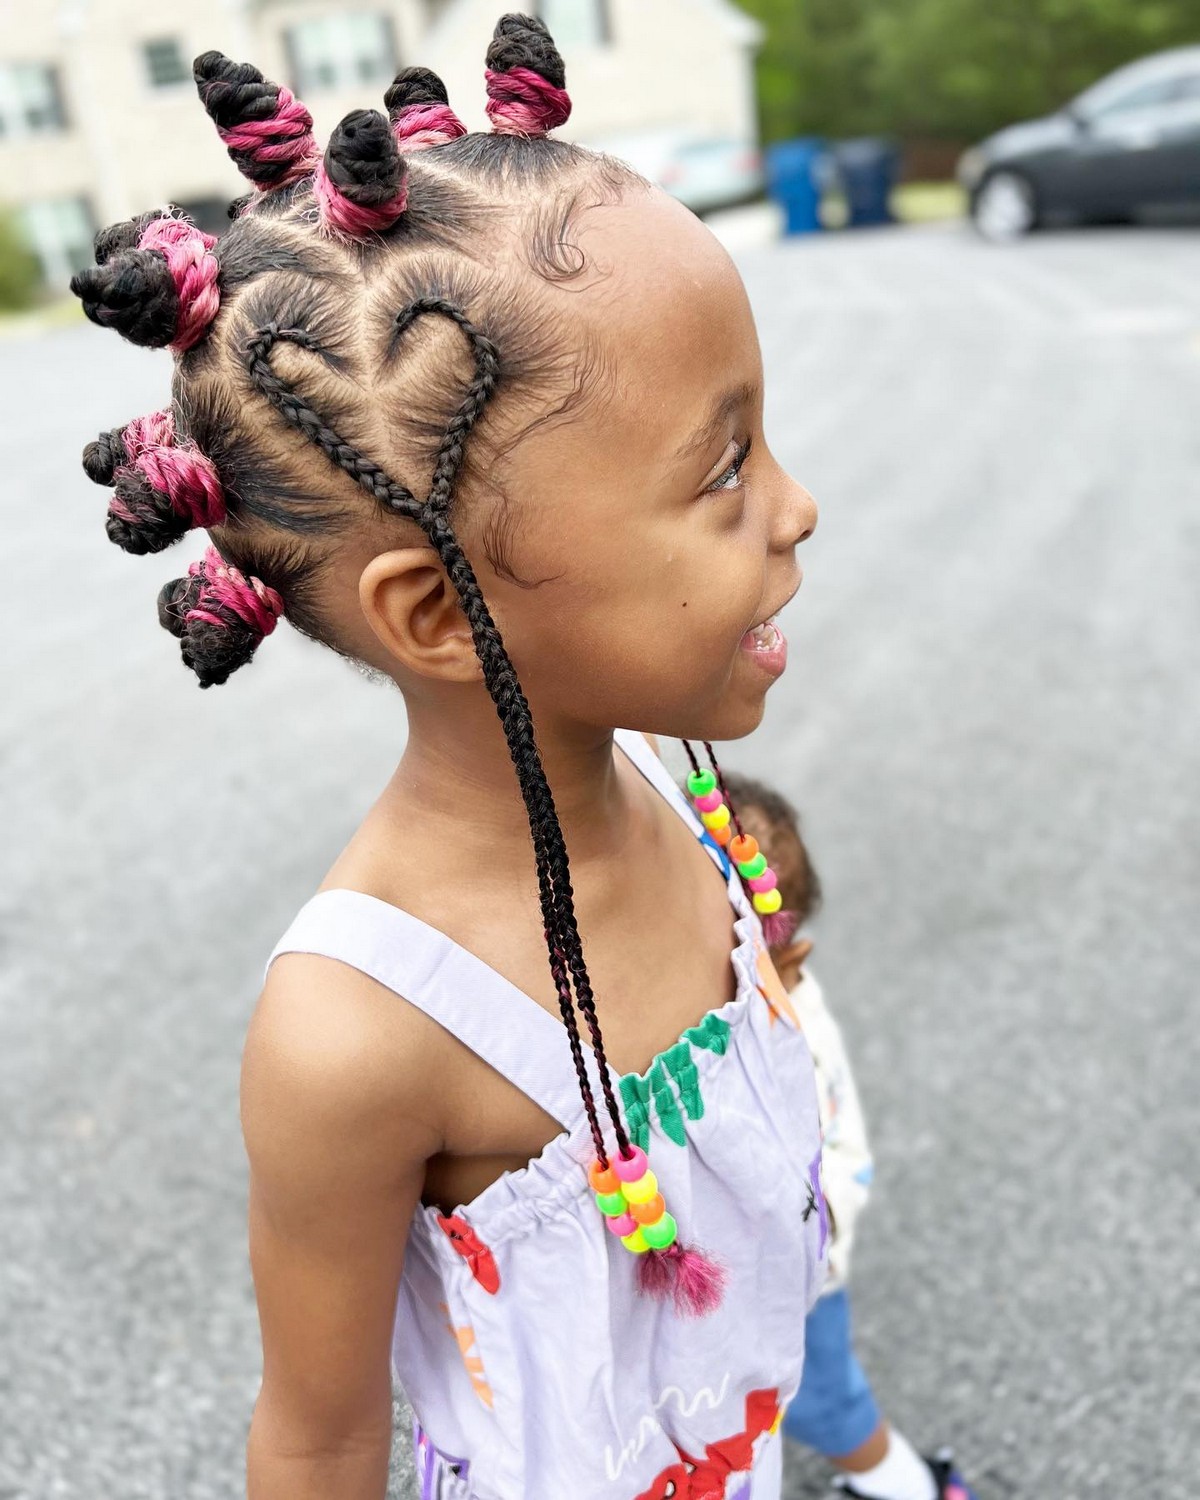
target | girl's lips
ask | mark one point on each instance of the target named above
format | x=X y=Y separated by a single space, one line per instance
x=766 y=645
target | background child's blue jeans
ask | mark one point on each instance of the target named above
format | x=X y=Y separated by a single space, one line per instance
x=834 y=1410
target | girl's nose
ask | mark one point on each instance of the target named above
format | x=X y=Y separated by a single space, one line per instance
x=796 y=514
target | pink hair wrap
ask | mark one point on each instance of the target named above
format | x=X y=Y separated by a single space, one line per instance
x=521 y=102
x=287 y=136
x=193 y=267
x=340 y=215
x=222 y=586
x=418 y=126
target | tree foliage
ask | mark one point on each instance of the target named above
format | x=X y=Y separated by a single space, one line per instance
x=954 y=69
x=20 y=272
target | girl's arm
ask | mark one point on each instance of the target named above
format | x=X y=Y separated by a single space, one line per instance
x=338 y=1120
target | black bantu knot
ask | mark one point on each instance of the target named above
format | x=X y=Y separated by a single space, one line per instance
x=133 y=292
x=213 y=652
x=415 y=86
x=524 y=42
x=104 y=455
x=233 y=93
x=362 y=159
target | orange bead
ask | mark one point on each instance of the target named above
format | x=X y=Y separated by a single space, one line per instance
x=649 y=1212
x=743 y=848
x=603 y=1179
x=722 y=835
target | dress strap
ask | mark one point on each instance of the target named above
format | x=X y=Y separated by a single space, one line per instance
x=502 y=1025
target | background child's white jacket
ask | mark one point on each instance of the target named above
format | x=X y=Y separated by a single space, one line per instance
x=846 y=1165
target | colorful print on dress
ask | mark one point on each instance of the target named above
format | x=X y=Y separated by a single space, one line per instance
x=708 y=1478
x=472 y=1249
x=816 y=1202
x=770 y=987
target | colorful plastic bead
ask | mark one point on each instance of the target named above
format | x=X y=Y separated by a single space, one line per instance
x=637 y=1241
x=650 y=1211
x=642 y=1190
x=622 y=1225
x=767 y=881
x=603 y=1179
x=709 y=803
x=700 y=783
x=660 y=1235
x=722 y=835
x=714 y=820
x=630 y=1168
x=749 y=868
x=766 y=903
x=743 y=848
x=611 y=1203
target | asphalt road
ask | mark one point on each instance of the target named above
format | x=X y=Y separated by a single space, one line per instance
x=991 y=723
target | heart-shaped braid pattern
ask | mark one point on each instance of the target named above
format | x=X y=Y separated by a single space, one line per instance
x=267 y=131
x=219 y=616
x=711 y=799
x=361 y=186
x=526 y=80
x=419 y=109
x=164 y=488
x=155 y=282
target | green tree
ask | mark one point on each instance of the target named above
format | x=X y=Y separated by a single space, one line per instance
x=20 y=272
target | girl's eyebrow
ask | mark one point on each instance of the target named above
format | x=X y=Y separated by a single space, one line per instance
x=745 y=394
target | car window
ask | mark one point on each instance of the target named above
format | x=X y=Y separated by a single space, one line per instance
x=1139 y=96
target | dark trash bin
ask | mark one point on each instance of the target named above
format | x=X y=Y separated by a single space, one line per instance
x=867 y=170
x=795 y=180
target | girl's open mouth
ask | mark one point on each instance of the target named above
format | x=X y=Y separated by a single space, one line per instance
x=766 y=644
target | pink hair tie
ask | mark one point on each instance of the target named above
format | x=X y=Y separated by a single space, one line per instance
x=189 y=480
x=224 y=587
x=522 y=102
x=340 y=215
x=361 y=185
x=194 y=269
x=418 y=126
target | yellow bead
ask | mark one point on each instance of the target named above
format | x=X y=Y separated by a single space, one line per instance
x=642 y=1190
x=636 y=1242
x=714 y=820
x=767 y=902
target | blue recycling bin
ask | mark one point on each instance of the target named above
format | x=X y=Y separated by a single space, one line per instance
x=867 y=170
x=794 y=181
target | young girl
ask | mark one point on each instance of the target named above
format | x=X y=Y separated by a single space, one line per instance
x=834 y=1410
x=483 y=412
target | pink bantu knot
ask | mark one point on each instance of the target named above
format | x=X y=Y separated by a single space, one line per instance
x=266 y=129
x=187 y=251
x=522 y=102
x=189 y=480
x=361 y=186
x=419 y=109
x=224 y=588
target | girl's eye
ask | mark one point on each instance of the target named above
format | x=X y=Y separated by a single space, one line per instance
x=731 y=478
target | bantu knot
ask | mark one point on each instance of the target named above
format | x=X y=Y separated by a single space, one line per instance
x=361 y=187
x=420 y=112
x=218 y=615
x=164 y=488
x=526 y=79
x=123 y=236
x=266 y=130
x=160 y=290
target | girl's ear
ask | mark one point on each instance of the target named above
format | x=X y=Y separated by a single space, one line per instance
x=414 y=611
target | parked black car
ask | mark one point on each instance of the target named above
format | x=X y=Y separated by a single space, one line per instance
x=1129 y=143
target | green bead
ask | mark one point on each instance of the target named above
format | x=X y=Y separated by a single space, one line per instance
x=661 y=1233
x=611 y=1204
x=700 y=783
x=753 y=867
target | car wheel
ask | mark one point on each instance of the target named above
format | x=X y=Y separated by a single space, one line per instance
x=1004 y=207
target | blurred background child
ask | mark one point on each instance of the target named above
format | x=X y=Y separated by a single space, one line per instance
x=834 y=1411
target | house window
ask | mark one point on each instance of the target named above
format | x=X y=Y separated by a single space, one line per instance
x=165 y=66
x=576 y=23
x=59 y=231
x=30 y=100
x=342 y=52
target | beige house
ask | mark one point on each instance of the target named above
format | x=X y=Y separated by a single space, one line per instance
x=99 y=118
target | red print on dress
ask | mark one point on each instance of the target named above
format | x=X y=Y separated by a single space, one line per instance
x=472 y=1249
x=705 y=1478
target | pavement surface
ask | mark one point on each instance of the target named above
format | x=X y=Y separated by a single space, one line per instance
x=991 y=724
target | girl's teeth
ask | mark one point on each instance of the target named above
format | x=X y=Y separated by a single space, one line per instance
x=765 y=636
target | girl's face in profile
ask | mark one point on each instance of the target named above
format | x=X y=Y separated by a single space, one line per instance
x=663 y=529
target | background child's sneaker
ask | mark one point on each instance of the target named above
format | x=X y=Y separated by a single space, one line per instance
x=950 y=1483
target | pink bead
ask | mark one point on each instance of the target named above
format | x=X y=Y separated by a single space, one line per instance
x=767 y=881
x=709 y=803
x=631 y=1170
x=623 y=1224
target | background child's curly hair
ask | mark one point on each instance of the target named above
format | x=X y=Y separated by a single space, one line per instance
x=779 y=823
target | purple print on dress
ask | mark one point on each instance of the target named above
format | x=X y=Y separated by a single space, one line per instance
x=818 y=1201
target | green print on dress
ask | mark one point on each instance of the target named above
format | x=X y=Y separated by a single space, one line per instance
x=654 y=1087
